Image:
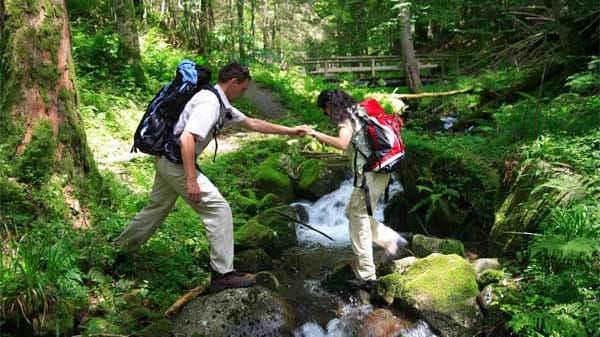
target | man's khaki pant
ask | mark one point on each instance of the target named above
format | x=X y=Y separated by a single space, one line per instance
x=364 y=229
x=213 y=209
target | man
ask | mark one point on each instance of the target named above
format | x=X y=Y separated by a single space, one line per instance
x=195 y=130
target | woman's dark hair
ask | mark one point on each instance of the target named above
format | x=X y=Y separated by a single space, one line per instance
x=234 y=70
x=340 y=102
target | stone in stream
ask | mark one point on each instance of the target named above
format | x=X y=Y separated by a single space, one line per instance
x=255 y=311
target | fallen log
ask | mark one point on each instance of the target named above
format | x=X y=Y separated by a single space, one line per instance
x=183 y=300
x=432 y=94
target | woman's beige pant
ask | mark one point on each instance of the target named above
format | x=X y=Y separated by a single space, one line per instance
x=364 y=229
x=213 y=209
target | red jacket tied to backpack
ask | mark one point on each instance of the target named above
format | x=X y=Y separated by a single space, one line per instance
x=383 y=136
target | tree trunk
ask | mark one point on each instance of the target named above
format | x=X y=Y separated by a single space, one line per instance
x=204 y=28
x=39 y=117
x=252 y=27
x=129 y=45
x=570 y=41
x=411 y=64
x=1 y=16
x=265 y=25
x=274 y=27
x=240 y=14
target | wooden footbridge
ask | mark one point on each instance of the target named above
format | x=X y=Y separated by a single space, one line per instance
x=373 y=67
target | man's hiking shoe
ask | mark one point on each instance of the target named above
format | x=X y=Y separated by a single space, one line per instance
x=394 y=251
x=230 y=280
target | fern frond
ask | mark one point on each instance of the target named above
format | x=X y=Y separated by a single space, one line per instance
x=557 y=247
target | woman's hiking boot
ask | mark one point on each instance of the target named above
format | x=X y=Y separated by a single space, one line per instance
x=395 y=250
x=232 y=279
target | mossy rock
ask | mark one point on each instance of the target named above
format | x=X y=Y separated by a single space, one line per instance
x=269 y=201
x=271 y=177
x=254 y=235
x=246 y=202
x=489 y=276
x=99 y=325
x=317 y=178
x=252 y=260
x=269 y=230
x=423 y=245
x=159 y=329
x=442 y=288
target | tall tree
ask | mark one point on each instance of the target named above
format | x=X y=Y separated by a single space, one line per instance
x=38 y=101
x=240 y=13
x=411 y=64
x=2 y=15
x=129 y=45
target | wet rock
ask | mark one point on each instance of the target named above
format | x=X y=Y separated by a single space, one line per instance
x=396 y=266
x=486 y=297
x=423 y=246
x=317 y=178
x=252 y=260
x=267 y=280
x=341 y=278
x=484 y=264
x=254 y=311
x=442 y=289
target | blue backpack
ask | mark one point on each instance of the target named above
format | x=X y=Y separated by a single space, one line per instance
x=154 y=134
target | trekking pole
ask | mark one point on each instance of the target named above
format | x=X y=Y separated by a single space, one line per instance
x=305 y=225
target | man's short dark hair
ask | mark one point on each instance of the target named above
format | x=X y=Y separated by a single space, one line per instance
x=234 y=70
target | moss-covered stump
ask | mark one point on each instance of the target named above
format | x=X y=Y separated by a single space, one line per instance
x=272 y=177
x=253 y=260
x=269 y=230
x=423 y=245
x=442 y=288
x=254 y=311
x=317 y=178
x=519 y=212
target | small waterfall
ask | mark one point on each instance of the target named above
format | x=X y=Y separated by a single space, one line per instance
x=353 y=319
x=328 y=214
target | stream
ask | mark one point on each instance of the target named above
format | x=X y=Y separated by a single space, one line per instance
x=325 y=314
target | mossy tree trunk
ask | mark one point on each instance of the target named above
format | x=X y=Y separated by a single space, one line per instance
x=411 y=64
x=129 y=45
x=43 y=136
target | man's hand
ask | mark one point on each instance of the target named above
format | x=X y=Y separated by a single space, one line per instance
x=193 y=191
x=304 y=130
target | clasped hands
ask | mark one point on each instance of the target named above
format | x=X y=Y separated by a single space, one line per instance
x=304 y=130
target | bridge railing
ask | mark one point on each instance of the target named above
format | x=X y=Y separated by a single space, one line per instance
x=371 y=65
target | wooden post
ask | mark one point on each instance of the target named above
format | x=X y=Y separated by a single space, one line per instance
x=372 y=68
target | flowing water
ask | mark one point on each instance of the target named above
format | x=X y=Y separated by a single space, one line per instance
x=325 y=314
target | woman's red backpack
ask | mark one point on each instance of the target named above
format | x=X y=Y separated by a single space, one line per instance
x=383 y=133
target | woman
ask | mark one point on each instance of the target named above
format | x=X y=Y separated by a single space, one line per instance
x=364 y=229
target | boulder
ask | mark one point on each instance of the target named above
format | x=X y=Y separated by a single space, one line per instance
x=255 y=311
x=252 y=260
x=396 y=266
x=269 y=230
x=317 y=178
x=484 y=264
x=273 y=178
x=442 y=288
x=423 y=246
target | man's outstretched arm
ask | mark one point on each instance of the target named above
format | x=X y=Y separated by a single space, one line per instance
x=259 y=125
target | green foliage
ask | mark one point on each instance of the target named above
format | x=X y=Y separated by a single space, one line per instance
x=437 y=198
x=587 y=81
x=39 y=278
